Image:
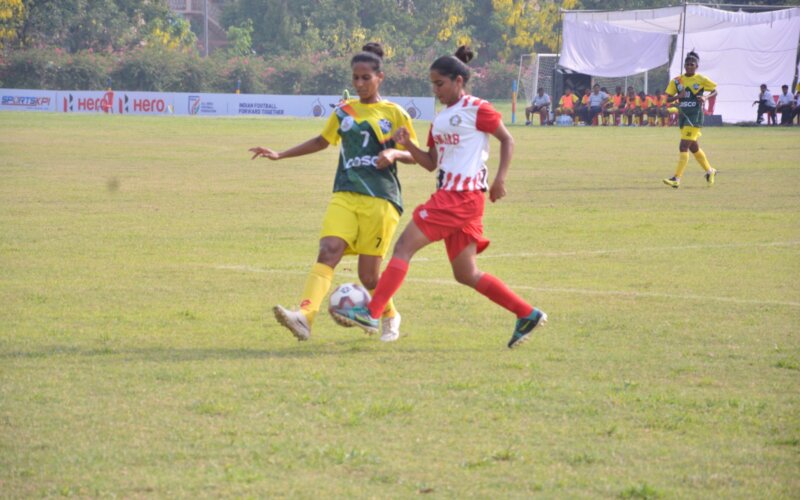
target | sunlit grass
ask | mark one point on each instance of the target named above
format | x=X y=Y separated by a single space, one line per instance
x=140 y=258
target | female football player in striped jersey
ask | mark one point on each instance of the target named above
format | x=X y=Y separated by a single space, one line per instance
x=458 y=145
x=366 y=205
x=688 y=89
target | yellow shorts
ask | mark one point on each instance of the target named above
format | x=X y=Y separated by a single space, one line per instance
x=366 y=223
x=690 y=133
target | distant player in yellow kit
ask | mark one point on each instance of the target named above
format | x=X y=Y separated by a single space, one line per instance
x=689 y=90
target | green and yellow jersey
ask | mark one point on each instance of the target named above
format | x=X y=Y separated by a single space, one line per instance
x=364 y=130
x=687 y=88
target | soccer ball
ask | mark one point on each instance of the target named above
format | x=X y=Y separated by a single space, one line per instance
x=349 y=295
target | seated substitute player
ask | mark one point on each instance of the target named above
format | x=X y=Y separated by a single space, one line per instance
x=567 y=104
x=540 y=104
x=689 y=90
x=615 y=107
x=633 y=107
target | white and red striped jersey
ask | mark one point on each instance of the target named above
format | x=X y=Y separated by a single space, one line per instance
x=460 y=134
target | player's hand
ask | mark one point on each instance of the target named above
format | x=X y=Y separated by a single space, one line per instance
x=497 y=191
x=701 y=98
x=386 y=158
x=402 y=137
x=264 y=153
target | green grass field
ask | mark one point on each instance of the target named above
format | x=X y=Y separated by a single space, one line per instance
x=141 y=257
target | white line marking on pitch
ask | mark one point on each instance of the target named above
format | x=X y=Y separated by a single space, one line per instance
x=579 y=291
x=625 y=250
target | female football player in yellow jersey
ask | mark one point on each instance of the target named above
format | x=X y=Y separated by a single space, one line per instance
x=366 y=204
x=688 y=89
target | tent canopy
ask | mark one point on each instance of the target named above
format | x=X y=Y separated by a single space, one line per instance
x=738 y=50
x=670 y=19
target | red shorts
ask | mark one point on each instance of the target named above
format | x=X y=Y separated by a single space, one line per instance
x=455 y=217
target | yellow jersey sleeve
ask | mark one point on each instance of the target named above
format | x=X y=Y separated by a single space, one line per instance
x=331 y=130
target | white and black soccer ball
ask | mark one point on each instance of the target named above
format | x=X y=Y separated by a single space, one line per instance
x=349 y=295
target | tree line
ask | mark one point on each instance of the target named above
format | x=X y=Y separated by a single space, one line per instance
x=274 y=46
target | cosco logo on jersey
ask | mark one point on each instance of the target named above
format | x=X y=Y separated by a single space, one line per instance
x=362 y=161
x=688 y=104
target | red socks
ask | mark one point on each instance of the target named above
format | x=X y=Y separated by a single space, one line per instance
x=388 y=284
x=499 y=293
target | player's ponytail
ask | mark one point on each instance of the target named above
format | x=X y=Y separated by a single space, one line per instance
x=455 y=66
x=371 y=53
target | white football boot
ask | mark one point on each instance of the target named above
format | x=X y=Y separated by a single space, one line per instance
x=390 y=328
x=295 y=321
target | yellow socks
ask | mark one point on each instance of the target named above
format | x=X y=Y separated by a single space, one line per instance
x=683 y=160
x=317 y=285
x=700 y=156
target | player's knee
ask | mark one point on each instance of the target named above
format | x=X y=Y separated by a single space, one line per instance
x=330 y=251
x=368 y=279
x=468 y=277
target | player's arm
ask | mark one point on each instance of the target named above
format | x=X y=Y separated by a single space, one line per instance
x=425 y=158
x=498 y=187
x=318 y=143
x=704 y=98
x=389 y=156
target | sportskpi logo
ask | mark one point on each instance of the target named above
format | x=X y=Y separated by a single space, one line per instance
x=103 y=104
x=27 y=101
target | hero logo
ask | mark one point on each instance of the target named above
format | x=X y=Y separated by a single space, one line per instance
x=362 y=161
x=84 y=104
x=128 y=105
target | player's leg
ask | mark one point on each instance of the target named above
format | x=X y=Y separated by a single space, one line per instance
x=338 y=233
x=699 y=155
x=369 y=267
x=466 y=272
x=390 y=281
x=318 y=282
x=683 y=159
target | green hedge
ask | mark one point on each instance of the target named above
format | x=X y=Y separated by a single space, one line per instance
x=152 y=69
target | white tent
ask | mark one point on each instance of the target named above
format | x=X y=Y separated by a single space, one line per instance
x=738 y=50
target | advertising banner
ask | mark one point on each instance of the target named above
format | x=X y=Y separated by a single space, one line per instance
x=122 y=102
x=27 y=100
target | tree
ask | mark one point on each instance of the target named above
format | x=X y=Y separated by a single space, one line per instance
x=11 y=15
x=76 y=25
